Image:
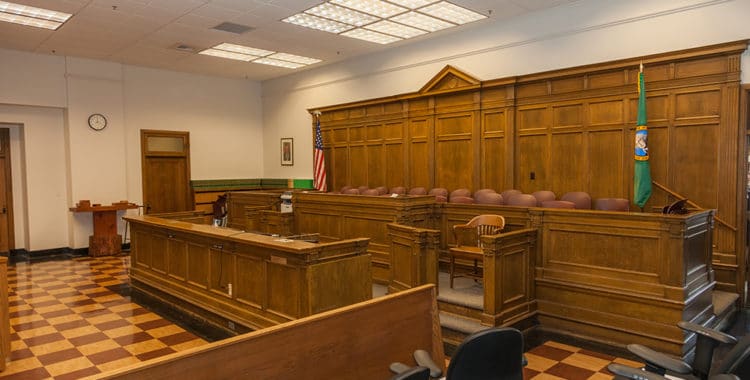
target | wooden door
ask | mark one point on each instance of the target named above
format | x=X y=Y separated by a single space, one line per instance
x=165 y=162
x=6 y=194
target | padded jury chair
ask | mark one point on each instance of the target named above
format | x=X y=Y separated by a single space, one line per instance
x=612 y=204
x=487 y=198
x=523 y=200
x=581 y=199
x=543 y=195
x=398 y=190
x=472 y=249
x=509 y=193
x=492 y=354
x=417 y=191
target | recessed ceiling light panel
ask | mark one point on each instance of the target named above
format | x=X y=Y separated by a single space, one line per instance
x=421 y=21
x=276 y=62
x=373 y=7
x=243 y=49
x=32 y=16
x=452 y=13
x=341 y=14
x=319 y=23
x=294 y=58
x=369 y=35
x=413 y=4
x=228 y=54
x=395 y=29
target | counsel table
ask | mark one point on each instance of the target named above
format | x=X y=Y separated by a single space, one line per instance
x=105 y=240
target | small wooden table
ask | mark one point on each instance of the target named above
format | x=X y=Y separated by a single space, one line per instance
x=105 y=240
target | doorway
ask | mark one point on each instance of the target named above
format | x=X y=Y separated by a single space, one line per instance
x=165 y=164
x=6 y=194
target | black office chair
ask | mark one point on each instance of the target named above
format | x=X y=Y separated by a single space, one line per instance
x=414 y=373
x=624 y=372
x=736 y=361
x=492 y=354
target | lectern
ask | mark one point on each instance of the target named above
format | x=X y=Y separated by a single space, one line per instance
x=105 y=240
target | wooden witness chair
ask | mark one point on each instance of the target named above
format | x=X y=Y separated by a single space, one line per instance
x=479 y=225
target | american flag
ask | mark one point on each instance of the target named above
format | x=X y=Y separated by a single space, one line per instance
x=319 y=172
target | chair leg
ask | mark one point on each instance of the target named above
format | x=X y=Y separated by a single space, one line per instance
x=453 y=264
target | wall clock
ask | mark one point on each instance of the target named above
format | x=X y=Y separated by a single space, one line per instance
x=97 y=121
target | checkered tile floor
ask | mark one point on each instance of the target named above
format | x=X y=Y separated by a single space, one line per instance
x=69 y=320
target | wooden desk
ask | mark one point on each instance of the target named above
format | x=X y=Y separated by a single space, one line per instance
x=105 y=240
x=254 y=280
x=4 y=320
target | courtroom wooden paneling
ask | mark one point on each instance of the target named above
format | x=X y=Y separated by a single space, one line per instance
x=4 y=313
x=414 y=257
x=238 y=200
x=254 y=280
x=341 y=216
x=564 y=130
x=624 y=277
x=353 y=342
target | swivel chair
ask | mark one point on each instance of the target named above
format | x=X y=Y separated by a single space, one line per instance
x=736 y=361
x=492 y=354
x=625 y=372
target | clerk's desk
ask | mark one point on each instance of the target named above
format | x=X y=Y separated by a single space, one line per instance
x=251 y=279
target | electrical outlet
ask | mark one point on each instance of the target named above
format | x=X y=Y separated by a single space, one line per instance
x=532 y=175
x=230 y=324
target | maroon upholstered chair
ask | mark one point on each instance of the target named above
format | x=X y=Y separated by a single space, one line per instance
x=344 y=189
x=351 y=191
x=438 y=191
x=487 y=198
x=398 y=190
x=362 y=189
x=460 y=193
x=382 y=190
x=612 y=204
x=482 y=191
x=581 y=199
x=441 y=199
x=371 y=192
x=524 y=200
x=460 y=199
x=509 y=193
x=558 y=204
x=417 y=191
x=543 y=195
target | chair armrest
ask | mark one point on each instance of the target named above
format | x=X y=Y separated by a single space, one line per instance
x=707 y=332
x=424 y=359
x=658 y=360
x=633 y=373
x=398 y=367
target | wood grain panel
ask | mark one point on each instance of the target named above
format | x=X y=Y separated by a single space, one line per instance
x=453 y=125
x=177 y=259
x=340 y=167
x=700 y=67
x=284 y=296
x=698 y=104
x=357 y=134
x=419 y=165
x=326 y=287
x=494 y=155
x=394 y=131
x=454 y=162
x=533 y=157
x=141 y=252
x=376 y=165
x=568 y=159
x=533 y=118
x=606 y=113
x=695 y=156
x=197 y=273
x=395 y=165
x=374 y=132
x=251 y=281
x=159 y=251
x=564 y=85
x=528 y=90
x=358 y=165
x=339 y=135
x=567 y=115
x=221 y=273
x=606 y=177
x=607 y=79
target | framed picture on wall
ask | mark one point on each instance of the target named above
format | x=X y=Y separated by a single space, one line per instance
x=287 y=151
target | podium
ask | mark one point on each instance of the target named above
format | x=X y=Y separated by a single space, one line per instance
x=105 y=240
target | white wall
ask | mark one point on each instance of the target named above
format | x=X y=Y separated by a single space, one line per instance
x=58 y=160
x=584 y=32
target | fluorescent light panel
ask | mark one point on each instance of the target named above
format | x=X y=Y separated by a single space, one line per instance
x=383 y=22
x=369 y=35
x=255 y=55
x=373 y=7
x=32 y=16
x=319 y=23
x=451 y=12
x=341 y=14
x=395 y=29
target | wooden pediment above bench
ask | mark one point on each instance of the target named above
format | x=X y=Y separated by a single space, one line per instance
x=450 y=79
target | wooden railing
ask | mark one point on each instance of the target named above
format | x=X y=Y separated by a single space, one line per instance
x=693 y=204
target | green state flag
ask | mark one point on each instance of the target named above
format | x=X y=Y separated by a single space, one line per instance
x=642 y=169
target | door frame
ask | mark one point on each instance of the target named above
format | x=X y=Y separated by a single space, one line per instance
x=5 y=151
x=145 y=154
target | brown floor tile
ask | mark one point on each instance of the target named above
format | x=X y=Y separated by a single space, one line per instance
x=133 y=338
x=551 y=352
x=155 y=354
x=30 y=374
x=175 y=339
x=79 y=374
x=109 y=356
x=43 y=339
x=89 y=338
x=71 y=325
x=59 y=356
x=569 y=372
x=153 y=324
